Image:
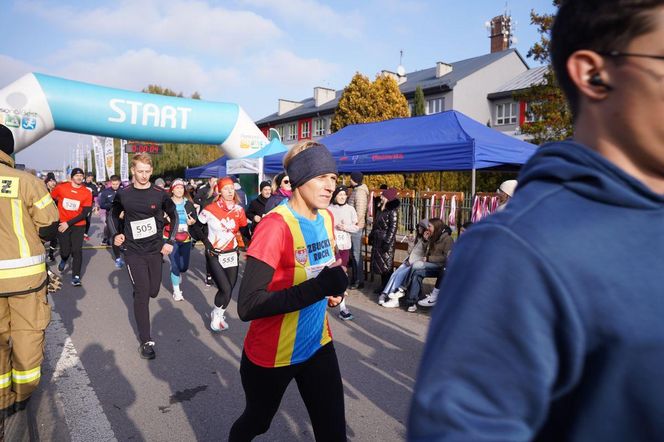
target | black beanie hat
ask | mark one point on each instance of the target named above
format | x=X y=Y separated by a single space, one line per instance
x=357 y=177
x=340 y=188
x=263 y=185
x=76 y=171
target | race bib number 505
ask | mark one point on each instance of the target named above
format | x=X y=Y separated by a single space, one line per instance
x=143 y=228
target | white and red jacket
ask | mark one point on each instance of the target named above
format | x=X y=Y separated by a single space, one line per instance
x=224 y=220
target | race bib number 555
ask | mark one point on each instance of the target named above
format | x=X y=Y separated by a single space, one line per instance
x=143 y=228
x=228 y=259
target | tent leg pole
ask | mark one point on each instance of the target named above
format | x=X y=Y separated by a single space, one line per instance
x=473 y=180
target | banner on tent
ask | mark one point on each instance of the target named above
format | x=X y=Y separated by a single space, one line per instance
x=99 y=159
x=88 y=160
x=109 y=157
x=124 y=162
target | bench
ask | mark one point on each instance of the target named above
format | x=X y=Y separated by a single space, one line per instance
x=400 y=249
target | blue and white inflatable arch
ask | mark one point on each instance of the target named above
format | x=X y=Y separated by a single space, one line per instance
x=36 y=104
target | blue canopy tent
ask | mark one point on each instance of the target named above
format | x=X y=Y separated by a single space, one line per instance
x=444 y=141
x=216 y=168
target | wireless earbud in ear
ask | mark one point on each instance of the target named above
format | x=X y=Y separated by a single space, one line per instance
x=596 y=80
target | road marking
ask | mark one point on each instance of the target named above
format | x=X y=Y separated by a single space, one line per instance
x=84 y=414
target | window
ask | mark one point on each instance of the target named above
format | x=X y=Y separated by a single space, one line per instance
x=280 y=129
x=506 y=113
x=306 y=129
x=319 y=127
x=434 y=106
x=292 y=132
x=529 y=117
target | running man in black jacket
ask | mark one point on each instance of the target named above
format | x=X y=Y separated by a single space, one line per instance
x=143 y=206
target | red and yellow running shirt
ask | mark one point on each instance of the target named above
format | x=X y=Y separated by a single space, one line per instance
x=297 y=249
x=71 y=201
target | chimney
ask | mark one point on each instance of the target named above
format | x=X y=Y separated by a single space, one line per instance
x=442 y=69
x=287 y=106
x=398 y=78
x=500 y=33
x=323 y=95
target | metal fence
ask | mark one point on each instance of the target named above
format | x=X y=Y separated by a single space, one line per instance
x=416 y=205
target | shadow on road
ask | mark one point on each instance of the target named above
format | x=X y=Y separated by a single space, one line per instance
x=117 y=400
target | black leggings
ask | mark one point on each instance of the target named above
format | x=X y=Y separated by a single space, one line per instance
x=145 y=274
x=224 y=279
x=319 y=383
x=71 y=243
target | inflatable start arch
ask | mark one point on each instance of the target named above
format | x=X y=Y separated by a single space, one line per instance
x=36 y=104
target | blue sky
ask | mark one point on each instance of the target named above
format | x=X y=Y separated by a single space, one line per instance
x=250 y=52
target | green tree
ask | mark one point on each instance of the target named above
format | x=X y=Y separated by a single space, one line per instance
x=418 y=106
x=549 y=113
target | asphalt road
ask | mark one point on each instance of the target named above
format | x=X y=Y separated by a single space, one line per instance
x=96 y=387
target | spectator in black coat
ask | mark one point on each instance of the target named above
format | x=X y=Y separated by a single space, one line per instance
x=256 y=208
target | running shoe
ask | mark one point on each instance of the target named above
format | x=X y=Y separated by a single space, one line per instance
x=119 y=263
x=177 y=294
x=346 y=315
x=208 y=280
x=428 y=301
x=104 y=242
x=392 y=303
x=218 y=322
x=51 y=258
x=86 y=237
x=382 y=298
x=76 y=281
x=400 y=293
x=412 y=308
x=61 y=266
x=146 y=350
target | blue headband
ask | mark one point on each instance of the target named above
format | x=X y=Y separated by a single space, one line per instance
x=310 y=163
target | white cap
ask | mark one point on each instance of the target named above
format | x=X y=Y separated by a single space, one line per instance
x=508 y=187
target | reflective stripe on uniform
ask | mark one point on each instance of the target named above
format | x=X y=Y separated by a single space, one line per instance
x=23 y=271
x=24 y=377
x=17 y=217
x=22 y=262
x=6 y=379
x=45 y=201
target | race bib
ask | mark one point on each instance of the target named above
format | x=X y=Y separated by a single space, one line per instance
x=343 y=240
x=70 y=204
x=143 y=228
x=228 y=259
x=313 y=271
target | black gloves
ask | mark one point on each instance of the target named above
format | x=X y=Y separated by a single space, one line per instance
x=332 y=281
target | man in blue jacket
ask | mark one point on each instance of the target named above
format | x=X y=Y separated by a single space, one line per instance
x=105 y=199
x=549 y=326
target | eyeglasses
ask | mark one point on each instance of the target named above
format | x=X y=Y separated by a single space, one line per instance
x=631 y=54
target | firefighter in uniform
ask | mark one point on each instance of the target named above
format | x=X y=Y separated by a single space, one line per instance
x=27 y=218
